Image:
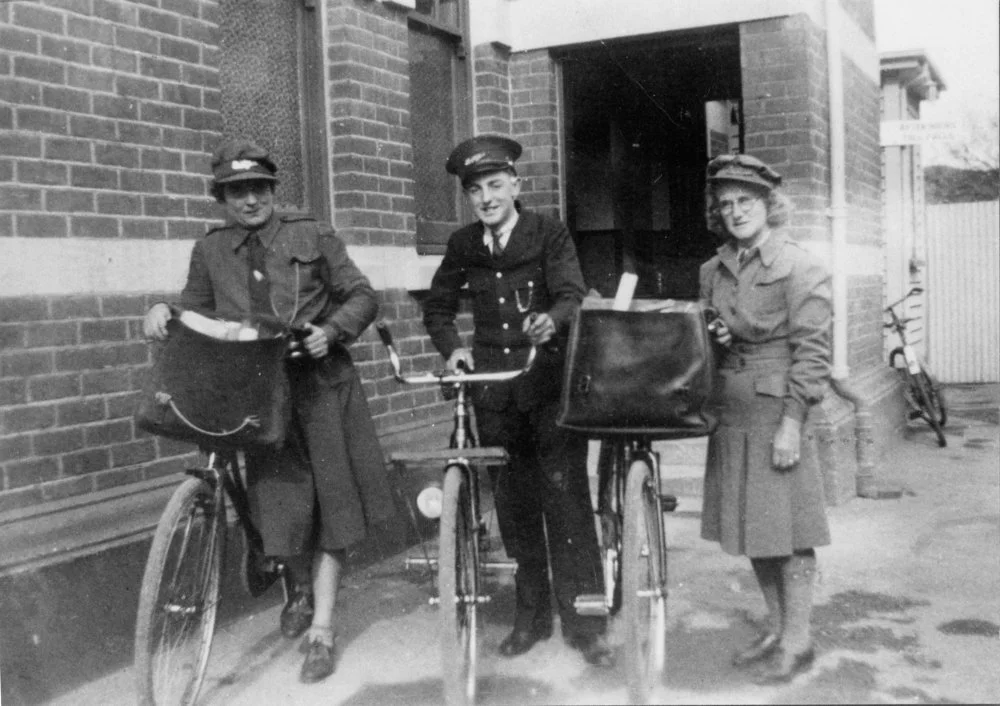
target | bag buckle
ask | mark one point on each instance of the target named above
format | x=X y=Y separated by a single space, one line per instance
x=581 y=386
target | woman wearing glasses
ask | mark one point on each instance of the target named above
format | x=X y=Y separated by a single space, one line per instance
x=763 y=488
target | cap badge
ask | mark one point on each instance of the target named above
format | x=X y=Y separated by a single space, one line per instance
x=477 y=157
x=241 y=165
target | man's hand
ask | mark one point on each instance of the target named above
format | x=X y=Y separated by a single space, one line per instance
x=786 y=445
x=315 y=343
x=463 y=355
x=154 y=326
x=539 y=328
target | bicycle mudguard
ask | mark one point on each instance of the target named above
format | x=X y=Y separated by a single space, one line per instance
x=216 y=393
x=639 y=372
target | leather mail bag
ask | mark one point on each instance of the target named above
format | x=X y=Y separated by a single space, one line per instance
x=217 y=393
x=644 y=372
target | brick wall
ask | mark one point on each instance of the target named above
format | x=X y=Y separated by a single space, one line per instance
x=535 y=97
x=785 y=107
x=369 y=105
x=491 y=68
x=112 y=108
x=69 y=374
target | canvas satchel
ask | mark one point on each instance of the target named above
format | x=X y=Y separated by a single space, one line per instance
x=217 y=393
x=644 y=371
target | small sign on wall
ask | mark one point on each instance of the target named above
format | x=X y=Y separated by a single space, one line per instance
x=916 y=132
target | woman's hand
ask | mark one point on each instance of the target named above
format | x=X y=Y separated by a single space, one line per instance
x=787 y=444
x=315 y=343
x=539 y=328
x=154 y=326
x=723 y=336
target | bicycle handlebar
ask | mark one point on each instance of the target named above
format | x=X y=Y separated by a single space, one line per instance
x=447 y=376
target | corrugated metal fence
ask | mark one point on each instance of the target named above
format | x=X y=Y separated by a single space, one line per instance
x=963 y=297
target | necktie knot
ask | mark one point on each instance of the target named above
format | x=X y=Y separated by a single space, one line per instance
x=497 y=245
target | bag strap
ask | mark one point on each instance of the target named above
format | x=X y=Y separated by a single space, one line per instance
x=164 y=398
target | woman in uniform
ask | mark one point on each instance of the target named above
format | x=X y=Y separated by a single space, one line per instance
x=763 y=489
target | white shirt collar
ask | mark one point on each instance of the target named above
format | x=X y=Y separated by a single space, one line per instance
x=504 y=232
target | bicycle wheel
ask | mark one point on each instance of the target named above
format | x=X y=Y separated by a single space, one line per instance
x=179 y=596
x=923 y=397
x=458 y=583
x=644 y=607
x=929 y=401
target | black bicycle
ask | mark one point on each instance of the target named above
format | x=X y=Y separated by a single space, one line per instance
x=921 y=391
x=463 y=535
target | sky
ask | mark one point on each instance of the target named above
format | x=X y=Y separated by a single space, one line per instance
x=962 y=40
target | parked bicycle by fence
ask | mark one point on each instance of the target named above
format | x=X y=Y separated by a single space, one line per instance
x=922 y=392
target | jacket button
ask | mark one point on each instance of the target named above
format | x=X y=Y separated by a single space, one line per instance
x=506 y=351
x=501 y=300
x=499 y=275
x=506 y=326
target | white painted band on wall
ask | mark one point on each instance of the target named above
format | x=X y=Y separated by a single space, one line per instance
x=68 y=266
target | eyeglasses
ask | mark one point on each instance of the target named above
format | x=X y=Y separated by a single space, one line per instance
x=744 y=203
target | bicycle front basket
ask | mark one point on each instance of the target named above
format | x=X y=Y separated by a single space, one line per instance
x=218 y=394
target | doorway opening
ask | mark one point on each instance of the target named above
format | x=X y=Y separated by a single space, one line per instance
x=643 y=116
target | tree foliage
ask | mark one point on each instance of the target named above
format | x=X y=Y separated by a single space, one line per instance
x=944 y=184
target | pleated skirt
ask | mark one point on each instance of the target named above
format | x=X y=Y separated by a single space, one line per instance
x=750 y=507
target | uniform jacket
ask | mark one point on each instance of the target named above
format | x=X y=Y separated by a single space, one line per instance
x=781 y=294
x=540 y=258
x=312 y=278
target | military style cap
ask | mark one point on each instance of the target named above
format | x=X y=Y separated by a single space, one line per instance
x=482 y=154
x=242 y=160
x=742 y=168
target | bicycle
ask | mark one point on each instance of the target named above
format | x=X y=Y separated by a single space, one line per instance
x=462 y=529
x=921 y=391
x=630 y=509
x=179 y=596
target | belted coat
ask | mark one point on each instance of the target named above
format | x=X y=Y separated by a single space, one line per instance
x=331 y=467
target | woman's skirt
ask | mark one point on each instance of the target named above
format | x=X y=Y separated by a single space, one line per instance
x=750 y=507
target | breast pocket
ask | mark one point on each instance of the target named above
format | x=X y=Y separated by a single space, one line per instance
x=768 y=294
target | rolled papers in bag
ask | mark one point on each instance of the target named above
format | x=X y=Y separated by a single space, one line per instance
x=626 y=288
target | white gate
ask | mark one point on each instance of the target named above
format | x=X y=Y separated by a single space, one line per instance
x=963 y=291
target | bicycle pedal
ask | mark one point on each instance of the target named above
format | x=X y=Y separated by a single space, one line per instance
x=668 y=502
x=591 y=604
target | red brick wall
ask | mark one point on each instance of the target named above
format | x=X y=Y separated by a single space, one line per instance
x=112 y=108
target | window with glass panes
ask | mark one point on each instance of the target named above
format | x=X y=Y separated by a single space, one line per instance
x=440 y=115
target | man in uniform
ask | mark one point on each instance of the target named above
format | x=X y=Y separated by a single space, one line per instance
x=522 y=272
x=316 y=495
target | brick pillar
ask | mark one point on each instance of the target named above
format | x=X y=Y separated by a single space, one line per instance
x=491 y=67
x=785 y=108
x=535 y=111
x=369 y=100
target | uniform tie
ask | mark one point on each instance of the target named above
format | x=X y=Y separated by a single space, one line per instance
x=260 y=290
x=497 y=245
x=743 y=257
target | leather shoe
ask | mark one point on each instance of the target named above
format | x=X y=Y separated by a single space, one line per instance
x=785 y=666
x=761 y=648
x=520 y=641
x=320 y=662
x=297 y=615
x=594 y=648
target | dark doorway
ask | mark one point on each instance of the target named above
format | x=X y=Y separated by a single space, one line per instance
x=642 y=117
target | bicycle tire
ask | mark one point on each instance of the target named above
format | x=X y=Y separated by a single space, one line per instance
x=936 y=397
x=458 y=583
x=928 y=401
x=643 y=605
x=179 y=598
